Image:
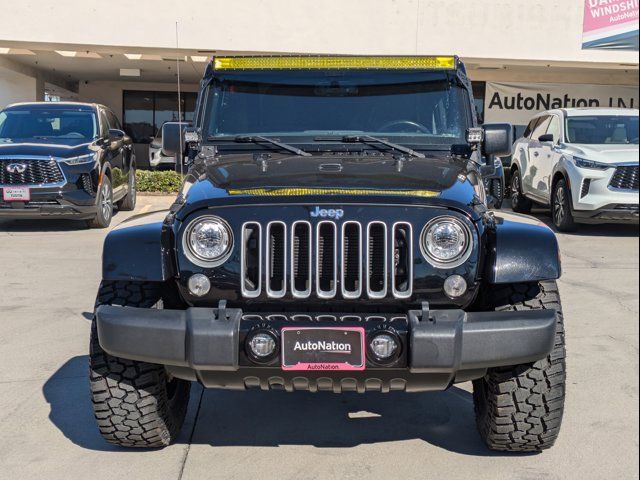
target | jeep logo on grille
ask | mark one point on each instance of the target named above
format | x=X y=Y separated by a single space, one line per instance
x=335 y=213
x=16 y=168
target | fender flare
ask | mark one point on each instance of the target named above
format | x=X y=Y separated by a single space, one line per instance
x=522 y=250
x=137 y=250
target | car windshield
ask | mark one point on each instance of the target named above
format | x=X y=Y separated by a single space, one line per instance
x=54 y=123
x=603 y=129
x=404 y=107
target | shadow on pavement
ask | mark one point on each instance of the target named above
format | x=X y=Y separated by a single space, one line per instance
x=256 y=418
x=46 y=225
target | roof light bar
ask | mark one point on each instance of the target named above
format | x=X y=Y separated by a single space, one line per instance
x=338 y=62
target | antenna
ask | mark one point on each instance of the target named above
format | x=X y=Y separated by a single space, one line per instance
x=180 y=159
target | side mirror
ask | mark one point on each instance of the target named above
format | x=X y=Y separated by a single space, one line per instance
x=115 y=134
x=546 y=138
x=498 y=139
x=173 y=138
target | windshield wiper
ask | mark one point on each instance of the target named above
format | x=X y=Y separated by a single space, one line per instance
x=260 y=139
x=381 y=141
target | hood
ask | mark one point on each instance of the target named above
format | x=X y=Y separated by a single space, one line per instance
x=605 y=153
x=47 y=148
x=244 y=179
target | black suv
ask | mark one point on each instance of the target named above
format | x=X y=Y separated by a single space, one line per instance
x=64 y=160
x=332 y=234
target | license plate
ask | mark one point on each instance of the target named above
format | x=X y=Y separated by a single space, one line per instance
x=16 y=194
x=323 y=349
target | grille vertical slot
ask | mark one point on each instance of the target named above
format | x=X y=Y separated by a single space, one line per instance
x=326 y=260
x=402 y=260
x=251 y=260
x=351 y=260
x=626 y=178
x=301 y=259
x=377 y=260
x=276 y=264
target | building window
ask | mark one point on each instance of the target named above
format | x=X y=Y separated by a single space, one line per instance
x=479 y=91
x=144 y=113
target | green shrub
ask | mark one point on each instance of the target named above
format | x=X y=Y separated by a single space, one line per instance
x=158 y=182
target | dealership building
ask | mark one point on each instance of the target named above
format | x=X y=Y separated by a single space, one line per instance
x=522 y=55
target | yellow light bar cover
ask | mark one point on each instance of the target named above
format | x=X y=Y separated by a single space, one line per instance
x=344 y=62
x=302 y=192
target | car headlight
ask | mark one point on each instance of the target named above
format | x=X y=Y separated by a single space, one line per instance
x=446 y=242
x=82 y=160
x=207 y=241
x=590 y=164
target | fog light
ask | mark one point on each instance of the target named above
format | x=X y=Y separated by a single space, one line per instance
x=199 y=285
x=262 y=345
x=384 y=346
x=455 y=286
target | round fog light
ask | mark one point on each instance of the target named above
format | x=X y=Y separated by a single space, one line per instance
x=262 y=345
x=384 y=346
x=455 y=286
x=199 y=285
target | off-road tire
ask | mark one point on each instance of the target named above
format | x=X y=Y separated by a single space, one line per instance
x=128 y=203
x=520 y=408
x=561 y=207
x=136 y=404
x=102 y=218
x=519 y=203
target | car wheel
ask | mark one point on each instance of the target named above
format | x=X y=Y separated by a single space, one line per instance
x=136 y=404
x=519 y=408
x=519 y=203
x=128 y=203
x=561 y=208
x=105 y=205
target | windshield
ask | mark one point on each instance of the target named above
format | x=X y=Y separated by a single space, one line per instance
x=415 y=107
x=599 y=130
x=55 y=123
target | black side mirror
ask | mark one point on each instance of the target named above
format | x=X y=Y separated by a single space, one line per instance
x=115 y=134
x=497 y=140
x=546 y=138
x=173 y=138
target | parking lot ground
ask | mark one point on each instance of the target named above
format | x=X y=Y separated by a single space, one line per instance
x=49 y=275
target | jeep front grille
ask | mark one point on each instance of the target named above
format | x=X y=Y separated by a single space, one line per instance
x=327 y=260
x=626 y=178
x=36 y=172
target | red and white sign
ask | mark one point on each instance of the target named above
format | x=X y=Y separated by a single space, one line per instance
x=611 y=24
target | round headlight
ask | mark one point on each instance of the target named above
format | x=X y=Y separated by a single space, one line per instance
x=208 y=240
x=446 y=242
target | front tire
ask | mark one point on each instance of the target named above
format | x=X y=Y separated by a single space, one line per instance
x=105 y=205
x=561 y=210
x=519 y=203
x=136 y=404
x=520 y=408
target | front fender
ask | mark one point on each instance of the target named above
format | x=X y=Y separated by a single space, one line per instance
x=522 y=250
x=136 y=250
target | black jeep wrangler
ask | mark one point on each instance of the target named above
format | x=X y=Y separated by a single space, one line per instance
x=333 y=235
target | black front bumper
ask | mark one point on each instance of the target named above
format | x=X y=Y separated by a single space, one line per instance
x=439 y=347
x=65 y=202
x=618 y=213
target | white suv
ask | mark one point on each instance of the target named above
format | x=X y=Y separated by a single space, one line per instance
x=581 y=162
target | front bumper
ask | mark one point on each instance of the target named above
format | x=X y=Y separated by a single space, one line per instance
x=439 y=347
x=620 y=213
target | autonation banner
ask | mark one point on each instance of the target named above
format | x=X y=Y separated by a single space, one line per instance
x=610 y=24
x=516 y=103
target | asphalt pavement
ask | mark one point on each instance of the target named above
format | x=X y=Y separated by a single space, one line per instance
x=49 y=275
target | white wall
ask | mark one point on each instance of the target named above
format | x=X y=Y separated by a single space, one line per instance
x=542 y=30
x=16 y=87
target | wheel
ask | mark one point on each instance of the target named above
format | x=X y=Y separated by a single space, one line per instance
x=520 y=408
x=561 y=211
x=519 y=203
x=128 y=203
x=136 y=404
x=105 y=205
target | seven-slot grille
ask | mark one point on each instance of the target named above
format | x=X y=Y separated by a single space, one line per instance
x=30 y=172
x=626 y=178
x=327 y=260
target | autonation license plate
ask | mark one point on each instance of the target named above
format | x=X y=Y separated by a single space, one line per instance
x=16 y=194
x=325 y=349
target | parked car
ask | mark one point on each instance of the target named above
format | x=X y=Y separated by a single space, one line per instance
x=332 y=234
x=64 y=160
x=581 y=163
